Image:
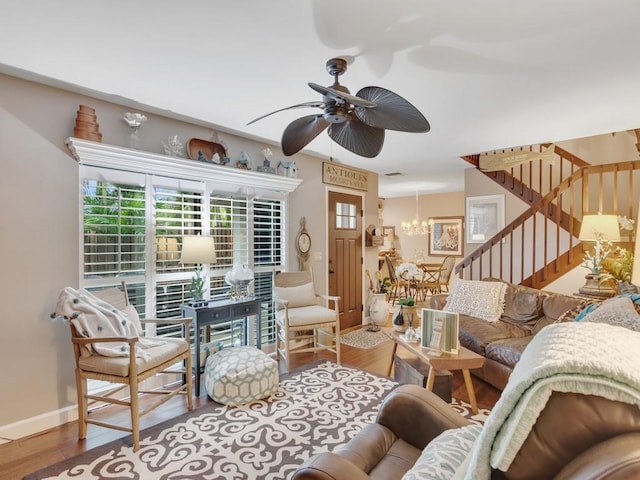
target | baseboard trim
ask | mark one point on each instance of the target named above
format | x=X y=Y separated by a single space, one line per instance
x=45 y=421
x=39 y=423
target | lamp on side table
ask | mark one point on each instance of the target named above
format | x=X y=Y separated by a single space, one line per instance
x=603 y=230
x=198 y=250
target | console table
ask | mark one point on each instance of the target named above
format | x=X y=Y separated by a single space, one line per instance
x=218 y=312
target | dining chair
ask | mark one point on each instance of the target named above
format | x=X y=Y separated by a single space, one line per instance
x=163 y=355
x=434 y=281
x=445 y=275
x=399 y=286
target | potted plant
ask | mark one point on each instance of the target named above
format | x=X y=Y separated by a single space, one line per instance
x=617 y=268
x=406 y=314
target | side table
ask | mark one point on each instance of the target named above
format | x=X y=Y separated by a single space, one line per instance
x=464 y=360
x=218 y=312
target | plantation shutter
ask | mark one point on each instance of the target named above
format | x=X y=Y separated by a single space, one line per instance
x=178 y=211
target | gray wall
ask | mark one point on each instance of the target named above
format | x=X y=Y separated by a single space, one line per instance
x=39 y=236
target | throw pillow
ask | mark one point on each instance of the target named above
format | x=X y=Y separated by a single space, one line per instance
x=300 y=296
x=445 y=454
x=484 y=300
x=522 y=306
x=617 y=311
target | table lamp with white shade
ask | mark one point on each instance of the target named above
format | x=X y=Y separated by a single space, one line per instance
x=603 y=230
x=198 y=250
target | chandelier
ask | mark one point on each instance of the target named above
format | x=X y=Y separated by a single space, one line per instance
x=415 y=227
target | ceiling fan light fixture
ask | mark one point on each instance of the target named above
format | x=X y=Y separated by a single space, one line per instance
x=358 y=121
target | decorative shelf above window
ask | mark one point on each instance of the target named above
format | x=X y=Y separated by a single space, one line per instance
x=120 y=158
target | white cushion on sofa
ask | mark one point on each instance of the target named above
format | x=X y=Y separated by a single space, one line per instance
x=484 y=300
x=300 y=296
x=444 y=457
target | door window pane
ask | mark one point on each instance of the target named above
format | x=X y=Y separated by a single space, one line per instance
x=346 y=215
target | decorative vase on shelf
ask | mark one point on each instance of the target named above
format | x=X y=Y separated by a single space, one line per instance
x=378 y=310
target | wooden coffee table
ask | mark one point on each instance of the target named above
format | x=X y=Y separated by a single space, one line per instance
x=464 y=360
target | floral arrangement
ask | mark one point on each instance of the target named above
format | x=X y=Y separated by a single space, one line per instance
x=267 y=153
x=408 y=270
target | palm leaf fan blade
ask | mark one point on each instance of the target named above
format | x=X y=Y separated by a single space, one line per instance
x=392 y=112
x=300 y=132
x=357 y=137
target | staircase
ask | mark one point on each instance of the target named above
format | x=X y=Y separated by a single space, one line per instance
x=541 y=244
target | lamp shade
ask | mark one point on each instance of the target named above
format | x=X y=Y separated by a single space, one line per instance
x=600 y=227
x=197 y=249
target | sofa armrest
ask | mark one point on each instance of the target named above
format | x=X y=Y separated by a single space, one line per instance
x=328 y=466
x=615 y=459
x=438 y=301
x=417 y=415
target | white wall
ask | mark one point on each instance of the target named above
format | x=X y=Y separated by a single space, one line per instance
x=39 y=234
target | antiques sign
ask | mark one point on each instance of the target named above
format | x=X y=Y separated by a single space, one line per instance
x=335 y=174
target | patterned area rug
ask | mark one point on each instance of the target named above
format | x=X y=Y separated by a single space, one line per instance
x=314 y=410
x=363 y=339
x=317 y=409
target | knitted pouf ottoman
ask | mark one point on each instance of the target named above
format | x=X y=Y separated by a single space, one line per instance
x=239 y=375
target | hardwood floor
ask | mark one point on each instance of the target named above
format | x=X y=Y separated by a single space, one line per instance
x=26 y=455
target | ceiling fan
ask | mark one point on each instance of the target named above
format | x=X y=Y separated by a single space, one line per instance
x=356 y=122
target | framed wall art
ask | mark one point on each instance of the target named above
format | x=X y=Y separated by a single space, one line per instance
x=485 y=217
x=445 y=236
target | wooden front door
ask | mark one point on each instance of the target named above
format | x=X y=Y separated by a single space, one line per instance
x=345 y=255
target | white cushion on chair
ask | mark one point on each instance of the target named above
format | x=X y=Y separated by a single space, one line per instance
x=302 y=316
x=119 y=366
x=299 y=296
x=239 y=375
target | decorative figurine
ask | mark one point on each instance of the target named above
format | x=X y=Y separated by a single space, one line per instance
x=244 y=161
x=288 y=169
x=134 y=120
x=173 y=147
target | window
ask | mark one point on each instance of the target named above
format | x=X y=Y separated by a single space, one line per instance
x=133 y=226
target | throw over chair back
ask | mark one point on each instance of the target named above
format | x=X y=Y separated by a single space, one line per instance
x=109 y=345
x=301 y=319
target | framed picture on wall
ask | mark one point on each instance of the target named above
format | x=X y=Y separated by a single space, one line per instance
x=485 y=217
x=445 y=236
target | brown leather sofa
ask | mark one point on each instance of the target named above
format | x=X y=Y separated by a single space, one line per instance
x=526 y=312
x=575 y=437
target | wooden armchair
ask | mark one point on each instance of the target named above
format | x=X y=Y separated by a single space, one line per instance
x=299 y=317
x=130 y=370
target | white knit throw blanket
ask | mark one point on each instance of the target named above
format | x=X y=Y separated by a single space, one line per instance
x=94 y=318
x=578 y=357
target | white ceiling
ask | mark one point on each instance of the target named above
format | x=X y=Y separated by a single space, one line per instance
x=487 y=75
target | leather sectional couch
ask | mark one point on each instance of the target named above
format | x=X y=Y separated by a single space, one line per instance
x=526 y=312
x=597 y=439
